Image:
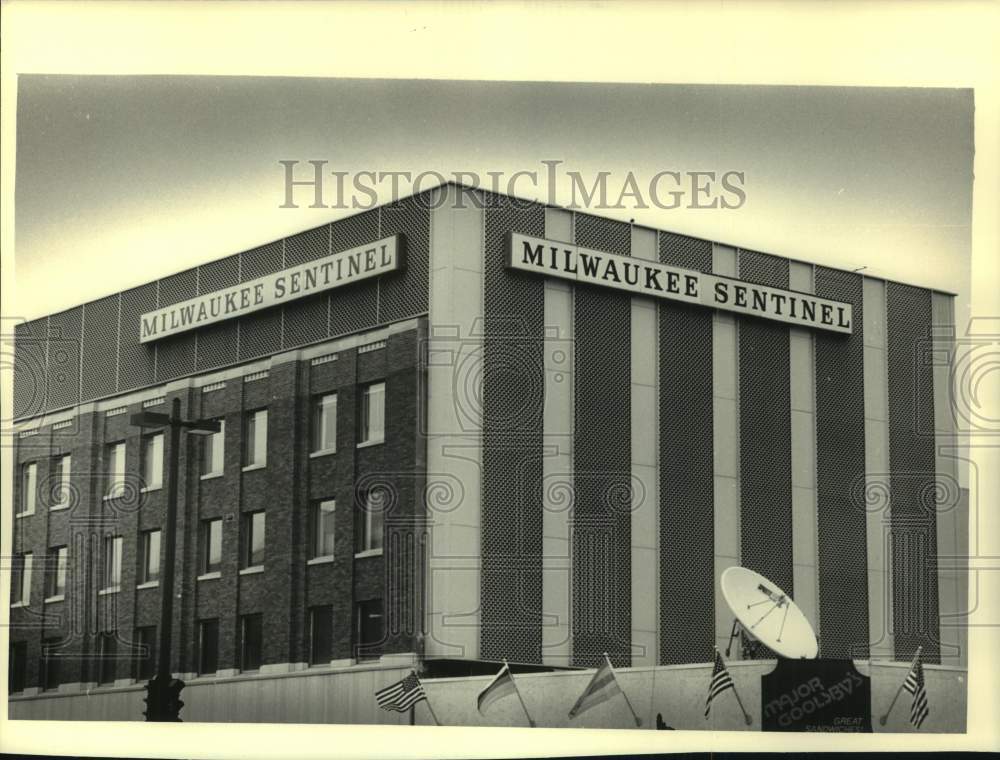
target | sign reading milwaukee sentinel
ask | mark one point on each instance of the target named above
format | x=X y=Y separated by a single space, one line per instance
x=648 y=278
x=280 y=287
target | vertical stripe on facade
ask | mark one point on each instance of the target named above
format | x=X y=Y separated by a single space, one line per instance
x=602 y=459
x=912 y=466
x=686 y=466
x=513 y=412
x=840 y=472
x=765 y=433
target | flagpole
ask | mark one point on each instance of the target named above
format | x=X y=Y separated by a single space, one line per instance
x=531 y=721
x=638 y=721
x=899 y=691
x=746 y=715
x=433 y=714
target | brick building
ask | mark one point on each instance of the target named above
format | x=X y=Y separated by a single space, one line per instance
x=485 y=444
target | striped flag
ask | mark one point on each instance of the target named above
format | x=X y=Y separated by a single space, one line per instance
x=721 y=680
x=914 y=684
x=501 y=686
x=402 y=695
x=601 y=688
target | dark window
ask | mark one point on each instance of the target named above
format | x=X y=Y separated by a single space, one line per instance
x=324 y=432
x=17 y=666
x=29 y=488
x=149 y=556
x=252 y=554
x=50 y=663
x=20 y=585
x=368 y=628
x=324 y=514
x=152 y=461
x=208 y=646
x=112 y=562
x=145 y=653
x=255 y=439
x=212 y=449
x=61 y=481
x=211 y=546
x=252 y=640
x=115 y=470
x=321 y=635
x=372 y=414
x=55 y=577
x=368 y=520
x=108 y=653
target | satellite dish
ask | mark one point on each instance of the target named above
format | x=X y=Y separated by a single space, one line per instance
x=768 y=614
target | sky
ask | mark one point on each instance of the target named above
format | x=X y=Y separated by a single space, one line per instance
x=124 y=179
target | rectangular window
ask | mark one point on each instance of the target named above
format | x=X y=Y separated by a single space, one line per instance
x=325 y=423
x=321 y=635
x=252 y=554
x=251 y=641
x=212 y=450
x=368 y=521
x=112 y=562
x=50 y=663
x=323 y=516
x=108 y=654
x=152 y=461
x=17 y=666
x=211 y=546
x=208 y=646
x=372 y=413
x=29 y=488
x=61 y=469
x=55 y=579
x=115 y=470
x=149 y=556
x=368 y=628
x=20 y=585
x=144 y=664
x=255 y=439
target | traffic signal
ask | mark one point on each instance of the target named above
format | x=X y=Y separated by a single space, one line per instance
x=163 y=700
x=172 y=703
x=154 y=701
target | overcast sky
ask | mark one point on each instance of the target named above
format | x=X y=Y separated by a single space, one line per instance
x=121 y=180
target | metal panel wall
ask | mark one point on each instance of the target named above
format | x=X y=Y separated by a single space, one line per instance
x=217 y=343
x=100 y=348
x=175 y=355
x=357 y=307
x=602 y=459
x=687 y=603
x=307 y=321
x=30 y=380
x=260 y=333
x=912 y=477
x=136 y=361
x=513 y=401
x=401 y=297
x=840 y=473
x=765 y=433
x=63 y=363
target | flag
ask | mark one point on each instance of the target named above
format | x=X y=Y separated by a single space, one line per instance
x=721 y=680
x=601 y=688
x=501 y=686
x=914 y=684
x=402 y=695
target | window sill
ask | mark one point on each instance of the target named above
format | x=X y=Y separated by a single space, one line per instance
x=59 y=507
x=322 y=453
x=209 y=576
x=113 y=496
x=252 y=467
x=23 y=514
x=367 y=444
x=210 y=475
x=109 y=590
x=56 y=598
x=15 y=605
x=320 y=560
x=252 y=570
x=150 y=489
x=149 y=584
x=368 y=553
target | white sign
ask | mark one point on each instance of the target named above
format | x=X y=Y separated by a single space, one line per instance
x=648 y=278
x=280 y=287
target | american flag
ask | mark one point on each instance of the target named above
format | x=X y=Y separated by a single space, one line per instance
x=914 y=684
x=402 y=695
x=721 y=681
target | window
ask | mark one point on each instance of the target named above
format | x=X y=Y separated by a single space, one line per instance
x=255 y=439
x=20 y=585
x=50 y=663
x=372 y=413
x=17 y=666
x=212 y=449
x=115 y=463
x=152 y=461
x=325 y=423
x=368 y=627
x=149 y=556
x=208 y=646
x=112 y=562
x=369 y=518
x=252 y=554
x=144 y=664
x=211 y=546
x=108 y=656
x=321 y=634
x=29 y=488
x=61 y=494
x=251 y=641
x=323 y=516
x=55 y=579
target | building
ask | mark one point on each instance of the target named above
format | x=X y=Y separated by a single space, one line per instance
x=461 y=442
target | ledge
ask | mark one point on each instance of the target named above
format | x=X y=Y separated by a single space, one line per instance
x=23 y=603
x=109 y=590
x=322 y=453
x=320 y=560
x=210 y=475
x=59 y=507
x=151 y=489
x=23 y=514
x=148 y=584
x=368 y=444
x=56 y=598
x=210 y=576
x=368 y=553
x=252 y=467
x=252 y=570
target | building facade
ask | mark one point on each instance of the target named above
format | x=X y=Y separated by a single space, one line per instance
x=502 y=431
